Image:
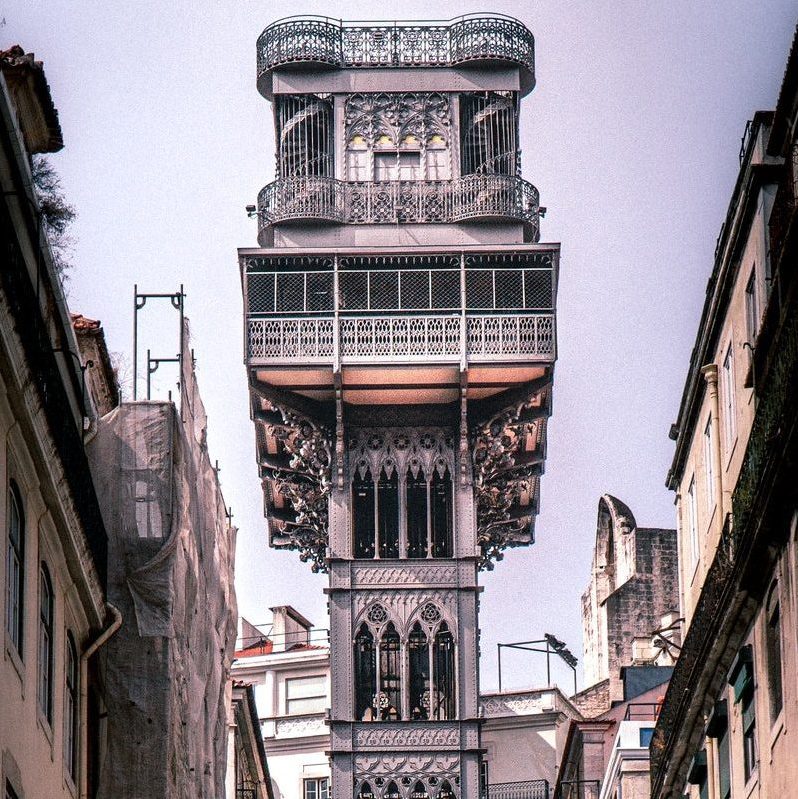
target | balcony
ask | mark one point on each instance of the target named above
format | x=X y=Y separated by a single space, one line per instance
x=472 y=197
x=322 y=41
x=438 y=308
x=531 y=789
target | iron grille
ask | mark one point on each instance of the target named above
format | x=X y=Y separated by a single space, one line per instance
x=531 y=789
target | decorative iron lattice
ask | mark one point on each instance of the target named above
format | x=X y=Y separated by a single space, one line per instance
x=288 y=293
x=532 y=789
x=344 y=44
x=400 y=201
x=404 y=338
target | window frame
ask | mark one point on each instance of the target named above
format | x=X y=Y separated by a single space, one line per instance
x=709 y=468
x=45 y=649
x=321 y=787
x=752 y=310
x=774 y=651
x=316 y=696
x=15 y=570
x=71 y=706
x=692 y=522
x=729 y=400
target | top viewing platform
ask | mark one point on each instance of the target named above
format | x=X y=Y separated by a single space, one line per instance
x=323 y=42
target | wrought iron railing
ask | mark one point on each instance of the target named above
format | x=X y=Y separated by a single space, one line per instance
x=578 y=789
x=323 y=40
x=531 y=789
x=388 y=202
x=287 y=293
x=405 y=338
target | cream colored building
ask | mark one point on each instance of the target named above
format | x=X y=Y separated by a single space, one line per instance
x=54 y=542
x=726 y=725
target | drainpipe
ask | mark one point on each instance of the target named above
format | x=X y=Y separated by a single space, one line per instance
x=710 y=373
x=101 y=639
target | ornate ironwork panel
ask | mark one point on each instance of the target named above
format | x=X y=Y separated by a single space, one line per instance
x=344 y=44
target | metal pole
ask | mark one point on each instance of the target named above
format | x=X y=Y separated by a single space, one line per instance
x=135 y=336
x=148 y=374
x=574 y=680
x=548 y=665
x=499 y=648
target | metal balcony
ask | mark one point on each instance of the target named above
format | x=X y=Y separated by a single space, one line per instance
x=442 y=308
x=471 y=197
x=531 y=789
x=317 y=40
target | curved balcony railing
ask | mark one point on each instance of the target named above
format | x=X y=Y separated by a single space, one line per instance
x=388 y=202
x=322 y=40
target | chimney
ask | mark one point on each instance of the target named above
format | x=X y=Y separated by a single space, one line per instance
x=289 y=628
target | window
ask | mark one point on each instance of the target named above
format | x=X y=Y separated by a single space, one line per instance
x=708 y=466
x=415 y=503
x=71 y=708
x=443 y=675
x=316 y=788
x=692 y=521
x=646 y=734
x=388 y=699
x=45 y=674
x=741 y=677
x=15 y=568
x=397 y=165
x=365 y=674
x=365 y=792
x=437 y=161
x=483 y=777
x=306 y=694
x=729 y=407
x=773 y=652
x=419 y=663
x=751 y=307
x=718 y=728
x=357 y=165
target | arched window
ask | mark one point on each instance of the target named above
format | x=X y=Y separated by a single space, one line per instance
x=443 y=675
x=363 y=514
x=419 y=791
x=416 y=514
x=392 y=791
x=45 y=674
x=446 y=791
x=389 y=697
x=365 y=674
x=419 y=664
x=441 y=513
x=365 y=792
x=71 y=708
x=388 y=517
x=15 y=567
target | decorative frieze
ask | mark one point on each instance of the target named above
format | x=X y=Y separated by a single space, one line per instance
x=406 y=736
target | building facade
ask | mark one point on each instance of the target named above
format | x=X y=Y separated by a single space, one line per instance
x=52 y=581
x=733 y=700
x=400 y=343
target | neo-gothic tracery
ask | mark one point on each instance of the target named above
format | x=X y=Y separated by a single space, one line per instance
x=405 y=673
x=397 y=137
x=402 y=497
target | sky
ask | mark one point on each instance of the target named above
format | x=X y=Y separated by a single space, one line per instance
x=632 y=136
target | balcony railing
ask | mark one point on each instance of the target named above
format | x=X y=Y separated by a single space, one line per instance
x=405 y=338
x=322 y=40
x=531 y=789
x=388 y=202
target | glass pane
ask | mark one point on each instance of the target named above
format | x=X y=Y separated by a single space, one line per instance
x=303 y=687
x=416 y=515
x=365 y=674
x=409 y=166
x=385 y=166
x=388 y=700
x=418 y=652
x=388 y=503
x=441 y=514
x=363 y=515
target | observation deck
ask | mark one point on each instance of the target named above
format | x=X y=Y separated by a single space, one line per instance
x=468 y=198
x=325 y=43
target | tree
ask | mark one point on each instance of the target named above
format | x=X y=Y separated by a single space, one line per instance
x=57 y=213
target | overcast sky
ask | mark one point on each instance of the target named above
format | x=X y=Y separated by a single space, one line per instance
x=632 y=136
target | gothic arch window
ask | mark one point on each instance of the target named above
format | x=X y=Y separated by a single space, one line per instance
x=419 y=791
x=389 y=693
x=441 y=513
x=365 y=673
x=363 y=496
x=392 y=791
x=443 y=671
x=365 y=792
x=402 y=136
x=402 y=494
x=388 y=511
x=304 y=135
x=418 y=654
x=446 y=791
x=417 y=518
